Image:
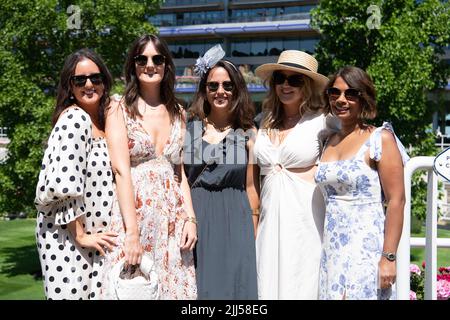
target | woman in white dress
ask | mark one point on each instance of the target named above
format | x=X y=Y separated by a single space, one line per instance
x=289 y=234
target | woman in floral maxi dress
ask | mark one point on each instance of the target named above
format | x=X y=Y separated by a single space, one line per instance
x=361 y=169
x=152 y=212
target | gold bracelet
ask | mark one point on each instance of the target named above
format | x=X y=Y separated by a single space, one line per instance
x=255 y=212
x=191 y=219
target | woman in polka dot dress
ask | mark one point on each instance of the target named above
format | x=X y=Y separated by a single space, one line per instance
x=75 y=189
x=153 y=212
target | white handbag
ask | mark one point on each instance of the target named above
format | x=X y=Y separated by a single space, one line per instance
x=137 y=288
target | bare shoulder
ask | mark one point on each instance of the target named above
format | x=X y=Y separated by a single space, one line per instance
x=114 y=105
x=391 y=151
x=387 y=137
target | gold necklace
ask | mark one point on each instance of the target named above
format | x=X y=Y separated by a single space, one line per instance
x=221 y=129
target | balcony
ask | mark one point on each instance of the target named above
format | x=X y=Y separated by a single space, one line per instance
x=222 y=29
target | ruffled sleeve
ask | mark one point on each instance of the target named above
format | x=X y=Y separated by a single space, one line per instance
x=375 y=149
x=60 y=190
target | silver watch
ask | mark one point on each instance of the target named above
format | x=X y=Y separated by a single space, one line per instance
x=389 y=255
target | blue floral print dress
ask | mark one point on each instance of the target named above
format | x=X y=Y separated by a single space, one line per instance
x=354 y=224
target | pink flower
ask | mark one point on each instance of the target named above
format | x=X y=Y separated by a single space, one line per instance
x=443 y=290
x=414 y=269
x=412 y=295
x=445 y=277
x=423 y=264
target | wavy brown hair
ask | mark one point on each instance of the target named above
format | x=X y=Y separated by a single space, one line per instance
x=242 y=109
x=167 y=87
x=273 y=109
x=65 y=98
x=358 y=79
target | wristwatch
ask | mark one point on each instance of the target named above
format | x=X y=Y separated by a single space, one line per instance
x=389 y=255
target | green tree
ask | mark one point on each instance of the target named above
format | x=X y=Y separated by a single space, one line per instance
x=399 y=43
x=35 y=38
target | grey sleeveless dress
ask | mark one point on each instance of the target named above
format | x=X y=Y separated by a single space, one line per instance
x=225 y=251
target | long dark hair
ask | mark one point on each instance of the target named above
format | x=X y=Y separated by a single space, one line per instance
x=358 y=79
x=65 y=98
x=242 y=109
x=167 y=87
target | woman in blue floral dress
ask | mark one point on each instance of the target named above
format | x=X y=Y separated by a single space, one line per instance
x=360 y=172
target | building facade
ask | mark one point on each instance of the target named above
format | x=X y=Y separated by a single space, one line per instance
x=251 y=32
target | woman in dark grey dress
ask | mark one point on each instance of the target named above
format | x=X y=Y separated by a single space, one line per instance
x=218 y=145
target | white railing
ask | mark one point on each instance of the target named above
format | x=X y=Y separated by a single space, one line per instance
x=3 y=131
x=431 y=242
x=445 y=212
x=442 y=144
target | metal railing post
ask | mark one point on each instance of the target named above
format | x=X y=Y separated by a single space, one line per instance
x=431 y=237
x=404 y=247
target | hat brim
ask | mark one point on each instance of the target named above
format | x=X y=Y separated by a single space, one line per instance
x=265 y=71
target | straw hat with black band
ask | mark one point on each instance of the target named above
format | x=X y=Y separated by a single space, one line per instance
x=297 y=61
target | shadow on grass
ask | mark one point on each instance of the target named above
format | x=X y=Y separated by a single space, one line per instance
x=22 y=260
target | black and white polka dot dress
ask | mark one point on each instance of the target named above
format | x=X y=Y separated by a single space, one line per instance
x=75 y=181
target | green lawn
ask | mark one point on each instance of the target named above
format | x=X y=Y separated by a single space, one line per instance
x=19 y=262
x=443 y=254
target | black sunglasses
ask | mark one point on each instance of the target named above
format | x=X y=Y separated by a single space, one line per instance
x=213 y=86
x=141 y=60
x=295 y=80
x=350 y=94
x=80 y=81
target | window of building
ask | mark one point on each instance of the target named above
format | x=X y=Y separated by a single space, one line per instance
x=240 y=48
x=271 y=47
x=164 y=20
x=308 y=45
x=189 y=49
x=259 y=48
x=291 y=44
x=269 y=14
x=275 y=47
x=187 y=18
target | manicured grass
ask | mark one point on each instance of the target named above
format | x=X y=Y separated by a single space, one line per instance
x=443 y=254
x=19 y=263
x=20 y=270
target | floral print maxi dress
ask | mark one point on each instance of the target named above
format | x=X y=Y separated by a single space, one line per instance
x=354 y=224
x=160 y=212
